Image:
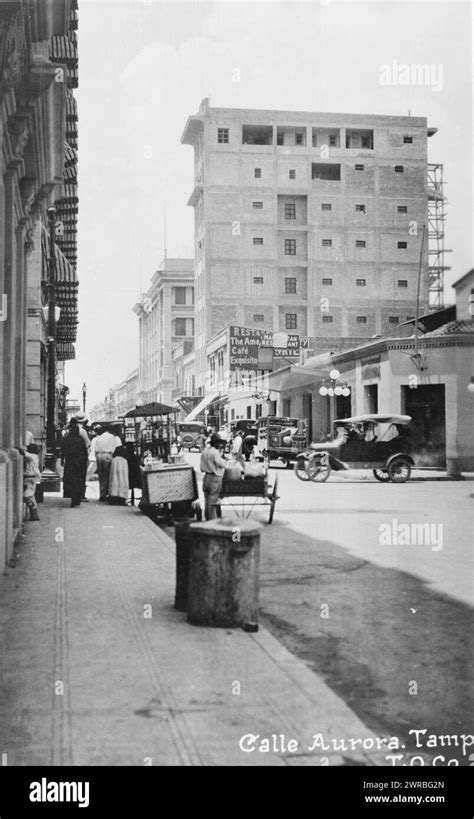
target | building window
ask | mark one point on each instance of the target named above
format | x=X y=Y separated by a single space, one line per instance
x=258 y=173
x=299 y=138
x=292 y=174
x=398 y=168
x=402 y=245
x=257 y=205
x=408 y=140
x=327 y=281
x=180 y=327
x=290 y=211
x=180 y=295
x=232 y=414
x=322 y=170
x=290 y=321
x=333 y=140
x=360 y=242
x=359 y=167
x=403 y=283
x=327 y=319
x=280 y=138
x=326 y=206
x=290 y=247
x=258 y=279
x=290 y=285
x=249 y=411
x=361 y=282
x=258 y=240
x=360 y=208
x=402 y=209
x=410 y=318
x=393 y=319
x=259 y=317
x=326 y=242
x=223 y=135
x=361 y=319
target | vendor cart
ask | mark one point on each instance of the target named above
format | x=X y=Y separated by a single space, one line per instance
x=152 y=429
x=249 y=493
x=169 y=491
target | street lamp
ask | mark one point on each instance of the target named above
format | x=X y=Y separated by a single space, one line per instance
x=333 y=389
x=84 y=393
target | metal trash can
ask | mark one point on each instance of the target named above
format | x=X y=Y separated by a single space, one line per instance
x=183 y=541
x=224 y=573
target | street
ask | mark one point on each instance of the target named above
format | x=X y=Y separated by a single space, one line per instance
x=388 y=627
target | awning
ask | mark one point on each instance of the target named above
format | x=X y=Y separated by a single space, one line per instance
x=209 y=399
x=292 y=377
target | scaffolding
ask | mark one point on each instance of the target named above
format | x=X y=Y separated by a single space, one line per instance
x=436 y=250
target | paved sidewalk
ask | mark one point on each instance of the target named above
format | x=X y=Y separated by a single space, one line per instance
x=89 y=679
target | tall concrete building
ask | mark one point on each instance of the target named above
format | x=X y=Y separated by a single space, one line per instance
x=309 y=223
x=166 y=318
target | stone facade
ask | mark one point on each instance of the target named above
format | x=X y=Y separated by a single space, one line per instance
x=38 y=68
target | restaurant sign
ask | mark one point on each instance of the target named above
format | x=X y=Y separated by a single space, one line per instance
x=245 y=342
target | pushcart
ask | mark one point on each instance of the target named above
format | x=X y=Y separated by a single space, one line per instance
x=170 y=491
x=249 y=493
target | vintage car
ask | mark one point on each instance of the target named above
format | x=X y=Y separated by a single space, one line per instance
x=380 y=442
x=191 y=435
x=281 y=438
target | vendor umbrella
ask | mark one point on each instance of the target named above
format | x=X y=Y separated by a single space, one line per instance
x=154 y=408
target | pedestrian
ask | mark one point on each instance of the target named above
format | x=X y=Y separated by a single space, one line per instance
x=31 y=477
x=237 y=447
x=118 y=478
x=106 y=444
x=83 y=421
x=74 y=460
x=213 y=465
x=134 y=474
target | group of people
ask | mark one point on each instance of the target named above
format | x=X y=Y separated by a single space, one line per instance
x=116 y=463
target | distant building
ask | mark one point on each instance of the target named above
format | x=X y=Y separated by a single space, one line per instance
x=307 y=223
x=119 y=400
x=166 y=319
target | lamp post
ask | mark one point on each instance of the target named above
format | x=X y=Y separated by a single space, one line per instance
x=334 y=389
x=84 y=393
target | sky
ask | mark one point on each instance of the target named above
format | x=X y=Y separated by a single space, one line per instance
x=145 y=66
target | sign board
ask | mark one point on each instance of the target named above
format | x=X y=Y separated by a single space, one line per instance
x=370 y=372
x=244 y=343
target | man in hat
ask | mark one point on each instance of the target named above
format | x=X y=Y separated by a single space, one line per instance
x=82 y=421
x=213 y=465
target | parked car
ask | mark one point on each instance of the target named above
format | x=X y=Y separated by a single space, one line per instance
x=191 y=435
x=282 y=438
x=380 y=442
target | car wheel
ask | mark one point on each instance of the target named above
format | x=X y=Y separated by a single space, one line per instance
x=300 y=469
x=399 y=470
x=381 y=475
x=318 y=469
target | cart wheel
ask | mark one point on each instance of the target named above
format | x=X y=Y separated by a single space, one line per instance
x=273 y=499
x=381 y=475
x=399 y=470
x=300 y=469
x=318 y=469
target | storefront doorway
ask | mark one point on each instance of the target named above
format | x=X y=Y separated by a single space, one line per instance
x=427 y=406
